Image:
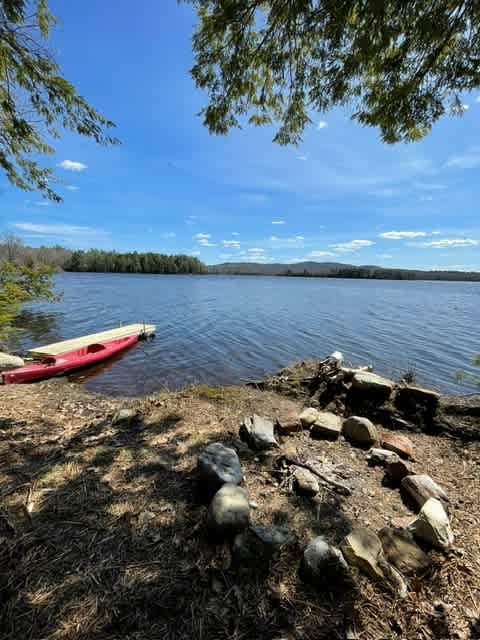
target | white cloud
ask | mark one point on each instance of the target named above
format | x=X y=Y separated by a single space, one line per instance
x=399 y=235
x=477 y=99
x=72 y=165
x=195 y=253
x=353 y=245
x=232 y=244
x=302 y=158
x=448 y=243
x=235 y=233
x=289 y=242
x=322 y=125
x=468 y=160
x=278 y=221
x=256 y=250
x=169 y=234
x=320 y=254
x=203 y=239
x=436 y=233
x=71 y=187
x=57 y=229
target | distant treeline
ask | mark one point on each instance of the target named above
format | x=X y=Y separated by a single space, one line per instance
x=338 y=270
x=379 y=273
x=12 y=249
x=95 y=260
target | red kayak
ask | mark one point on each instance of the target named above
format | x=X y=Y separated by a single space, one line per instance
x=69 y=361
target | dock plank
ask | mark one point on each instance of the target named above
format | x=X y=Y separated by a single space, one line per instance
x=57 y=348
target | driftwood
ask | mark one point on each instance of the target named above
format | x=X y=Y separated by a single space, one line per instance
x=325 y=477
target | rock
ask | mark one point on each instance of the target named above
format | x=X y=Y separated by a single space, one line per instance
x=399 y=423
x=380 y=457
x=308 y=417
x=336 y=359
x=327 y=425
x=420 y=394
x=372 y=384
x=398 y=443
x=401 y=550
x=218 y=465
x=323 y=563
x=432 y=525
x=288 y=424
x=362 y=548
x=459 y=416
x=421 y=487
x=360 y=431
x=257 y=432
x=305 y=482
x=258 y=544
x=126 y=416
x=394 y=580
x=408 y=398
x=229 y=511
x=349 y=372
x=10 y=362
x=396 y=471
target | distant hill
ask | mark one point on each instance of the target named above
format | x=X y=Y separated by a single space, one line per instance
x=338 y=270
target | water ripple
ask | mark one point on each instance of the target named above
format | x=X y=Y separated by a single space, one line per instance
x=225 y=329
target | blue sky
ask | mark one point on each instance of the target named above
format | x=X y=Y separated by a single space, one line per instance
x=342 y=195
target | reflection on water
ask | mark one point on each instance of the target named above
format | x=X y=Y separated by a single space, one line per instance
x=91 y=372
x=225 y=329
x=36 y=326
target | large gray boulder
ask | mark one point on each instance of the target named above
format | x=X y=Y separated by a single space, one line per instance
x=362 y=548
x=217 y=465
x=432 y=525
x=360 y=431
x=372 y=384
x=327 y=425
x=229 y=511
x=257 y=432
x=8 y=362
x=421 y=487
x=401 y=550
x=323 y=563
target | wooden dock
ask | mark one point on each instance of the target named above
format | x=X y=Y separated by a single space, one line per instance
x=77 y=343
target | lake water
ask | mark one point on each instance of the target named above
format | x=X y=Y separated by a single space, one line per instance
x=226 y=329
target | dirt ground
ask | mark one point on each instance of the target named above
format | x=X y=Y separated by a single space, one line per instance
x=101 y=535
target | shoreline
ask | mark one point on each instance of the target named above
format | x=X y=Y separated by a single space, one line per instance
x=103 y=532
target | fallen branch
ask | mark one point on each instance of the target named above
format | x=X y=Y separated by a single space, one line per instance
x=324 y=477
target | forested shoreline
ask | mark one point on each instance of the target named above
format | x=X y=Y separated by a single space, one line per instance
x=96 y=261
x=13 y=250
